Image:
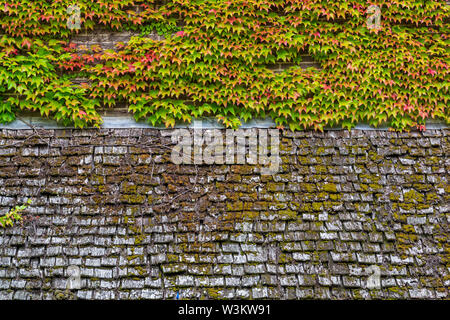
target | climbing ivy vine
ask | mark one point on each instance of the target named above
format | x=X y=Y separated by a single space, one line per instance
x=214 y=62
x=13 y=216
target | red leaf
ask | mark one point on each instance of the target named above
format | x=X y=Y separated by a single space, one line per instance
x=431 y=71
x=27 y=43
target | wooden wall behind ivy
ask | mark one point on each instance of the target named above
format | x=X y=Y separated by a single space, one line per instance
x=216 y=58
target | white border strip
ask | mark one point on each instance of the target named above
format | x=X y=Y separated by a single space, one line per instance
x=128 y=122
